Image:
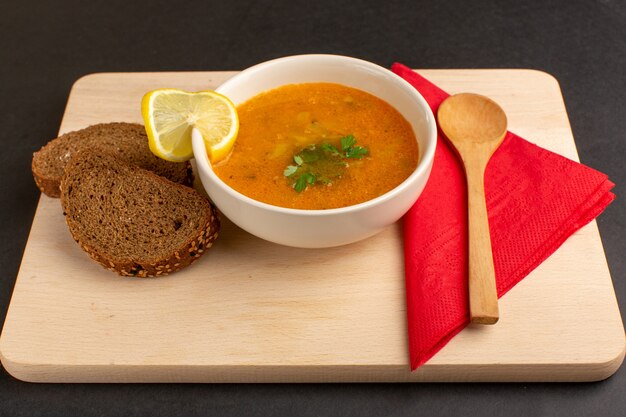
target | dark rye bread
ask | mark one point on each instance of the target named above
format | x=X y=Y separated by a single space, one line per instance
x=132 y=221
x=126 y=140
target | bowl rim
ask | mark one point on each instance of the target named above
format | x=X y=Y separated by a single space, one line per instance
x=424 y=164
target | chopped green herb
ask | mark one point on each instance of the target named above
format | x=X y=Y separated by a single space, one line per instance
x=330 y=148
x=348 y=145
x=347 y=142
x=290 y=170
x=301 y=183
x=323 y=163
x=357 y=152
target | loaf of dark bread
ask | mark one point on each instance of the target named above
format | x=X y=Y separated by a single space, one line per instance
x=132 y=221
x=128 y=141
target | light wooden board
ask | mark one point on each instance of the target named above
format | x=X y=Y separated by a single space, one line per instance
x=252 y=311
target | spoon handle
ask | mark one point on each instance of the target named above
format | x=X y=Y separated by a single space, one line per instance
x=483 y=296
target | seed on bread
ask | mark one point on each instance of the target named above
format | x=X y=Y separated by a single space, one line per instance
x=131 y=220
x=128 y=141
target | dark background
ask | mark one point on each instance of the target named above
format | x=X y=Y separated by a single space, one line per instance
x=45 y=46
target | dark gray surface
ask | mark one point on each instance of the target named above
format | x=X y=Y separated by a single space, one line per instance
x=46 y=46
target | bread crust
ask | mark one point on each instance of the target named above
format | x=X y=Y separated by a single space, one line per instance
x=49 y=184
x=193 y=247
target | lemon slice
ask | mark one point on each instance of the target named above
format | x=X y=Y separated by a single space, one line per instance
x=170 y=115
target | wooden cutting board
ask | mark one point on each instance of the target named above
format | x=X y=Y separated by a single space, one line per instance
x=253 y=311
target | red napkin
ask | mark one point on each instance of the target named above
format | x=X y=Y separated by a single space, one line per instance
x=535 y=199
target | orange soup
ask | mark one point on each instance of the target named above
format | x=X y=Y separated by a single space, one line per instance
x=318 y=146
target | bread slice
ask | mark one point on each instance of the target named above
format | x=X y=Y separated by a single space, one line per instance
x=132 y=221
x=126 y=140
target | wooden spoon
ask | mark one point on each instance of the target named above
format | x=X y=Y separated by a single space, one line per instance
x=476 y=126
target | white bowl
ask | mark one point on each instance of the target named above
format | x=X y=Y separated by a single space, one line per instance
x=333 y=227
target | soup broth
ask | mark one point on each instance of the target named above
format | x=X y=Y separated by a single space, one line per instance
x=314 y=122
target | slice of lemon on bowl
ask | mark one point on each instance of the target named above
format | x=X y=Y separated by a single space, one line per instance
x=170 y=115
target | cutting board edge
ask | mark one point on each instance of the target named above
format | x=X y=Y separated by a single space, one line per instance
x=584 y=372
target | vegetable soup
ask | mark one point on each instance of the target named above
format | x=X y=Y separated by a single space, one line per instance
x=318 y=146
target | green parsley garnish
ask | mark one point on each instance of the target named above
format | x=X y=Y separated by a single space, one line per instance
x=347 y=142
x=303 y=181
x=322 y=163
x=348 y=145
x=330 y=148
x=290 y=170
